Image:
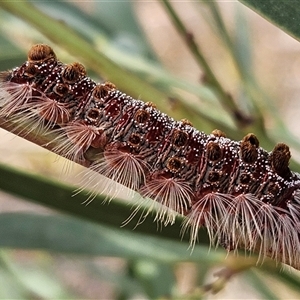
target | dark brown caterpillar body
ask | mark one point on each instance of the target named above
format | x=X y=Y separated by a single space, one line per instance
x=245 y=196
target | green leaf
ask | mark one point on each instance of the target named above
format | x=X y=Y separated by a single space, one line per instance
x=62 y=197
x=113 y=20
x=126 y=286
x=156 y=278
x=9 y=287
x=10 y=55
x=283 y=13
x=119 y=18
x=260 y=285
x=35 y=281
x=290 y=279
x=64 y=234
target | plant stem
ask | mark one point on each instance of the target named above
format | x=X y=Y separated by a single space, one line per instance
x=245 y=75
x=223 y=96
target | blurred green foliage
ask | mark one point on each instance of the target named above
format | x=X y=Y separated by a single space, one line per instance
x=112 y=44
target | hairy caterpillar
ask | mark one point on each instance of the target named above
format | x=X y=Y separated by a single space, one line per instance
x=244 y=196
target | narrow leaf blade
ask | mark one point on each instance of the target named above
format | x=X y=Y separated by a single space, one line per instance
x=284 y=14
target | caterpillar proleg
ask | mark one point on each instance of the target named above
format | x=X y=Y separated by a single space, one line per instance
x=245 y=197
